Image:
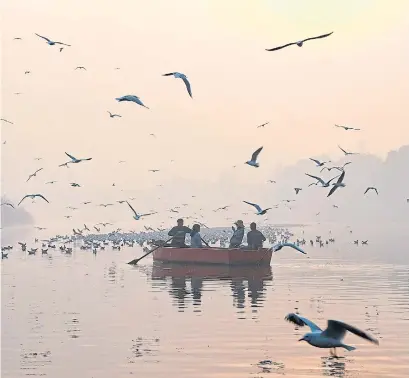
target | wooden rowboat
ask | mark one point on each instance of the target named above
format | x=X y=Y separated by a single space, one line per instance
x=225 y=256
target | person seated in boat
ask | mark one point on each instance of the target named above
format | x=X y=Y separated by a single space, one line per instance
x=238 y=235
x=195 y=238
x=255 y=238
x=179 y=234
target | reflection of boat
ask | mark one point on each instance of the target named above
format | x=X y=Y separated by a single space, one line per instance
x=175 y=270
x=244 y=281
x=226 y=256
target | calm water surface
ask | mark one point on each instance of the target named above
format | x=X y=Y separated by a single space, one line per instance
x=95 y=316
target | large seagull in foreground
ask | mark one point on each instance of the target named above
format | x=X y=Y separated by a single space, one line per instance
x=32 y=196
x=299 y=43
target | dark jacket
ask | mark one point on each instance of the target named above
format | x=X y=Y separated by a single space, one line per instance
x=179 y=235
x=255 y=239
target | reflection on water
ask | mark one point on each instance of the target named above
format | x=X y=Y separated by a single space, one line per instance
x=92 y=315
x=186 y=283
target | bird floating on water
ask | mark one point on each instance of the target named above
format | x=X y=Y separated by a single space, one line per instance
x=50 y=42
x=131 y=98
x=137 y=216
x=253 y=161
x=260 y=211
x=178 y=75
x=32 y=196
x=299 y=43
x=331 y=337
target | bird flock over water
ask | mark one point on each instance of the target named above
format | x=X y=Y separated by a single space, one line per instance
x=332 y=336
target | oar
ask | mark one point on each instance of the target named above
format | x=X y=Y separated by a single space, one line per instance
x=135 y=261
x=205 y=242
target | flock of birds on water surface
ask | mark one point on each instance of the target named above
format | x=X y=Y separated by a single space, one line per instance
x=331 y=337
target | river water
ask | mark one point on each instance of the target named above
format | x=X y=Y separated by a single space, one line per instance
x=95 y=316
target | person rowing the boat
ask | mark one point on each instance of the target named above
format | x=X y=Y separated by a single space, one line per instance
x=195 y=238
x=238 y=235
x=179 y=234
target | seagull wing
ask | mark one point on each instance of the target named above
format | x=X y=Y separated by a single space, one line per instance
x=320 y=36
x=61 y=43
x=255 y=154
x=259 y=209
x=317 y=178
x=70 y=156
x=38 y=170
x=337 y=330
x=169 y=74
x=329 y=182
x=43 y=37
x=293 y=246
x=189 y=90
x=340 y=178
x=376 y=190
x=333 y=189
x=136 y=214
x=300 y=321
x=41 y=196
x=145 y=215
x=281 y=47
x=366 y=190
x=315 y=161
x=346 y=153
x=23 y=199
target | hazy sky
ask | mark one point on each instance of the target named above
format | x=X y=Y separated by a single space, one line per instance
x=358 y=76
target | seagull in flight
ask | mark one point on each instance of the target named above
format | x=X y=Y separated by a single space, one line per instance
x=299 y=43
x=8 y=204
x=32 y=196
x=297 y=190
x=332 y=336
x=178 y=75
x=75 y=160
x=319 y=163
x=262 y=125
x=338 y=184
x=65 y=164
x=137 y=216
x=113 y=115
x=346 y=127
x=153 y=170
x=131 y=98
x=86 y=202
x=272 y=181
x=105 y=204
x=253 y=161
x=321 y=181
x=222 y=208
x=371 y=188
x=279 y=246
x=80 y=68
x=75 y=185
x=51 y=182
x=347 y=153
x=7 y=121
x=50 y=42
x=260 y=211
x=34 y=174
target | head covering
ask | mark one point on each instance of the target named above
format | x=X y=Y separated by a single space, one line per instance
x=239 y=223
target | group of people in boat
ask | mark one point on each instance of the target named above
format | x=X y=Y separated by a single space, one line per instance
x=255 y=238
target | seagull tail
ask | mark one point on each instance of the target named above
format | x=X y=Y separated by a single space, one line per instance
x=349 y=348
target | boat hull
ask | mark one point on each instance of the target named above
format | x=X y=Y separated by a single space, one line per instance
x=224 y=256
